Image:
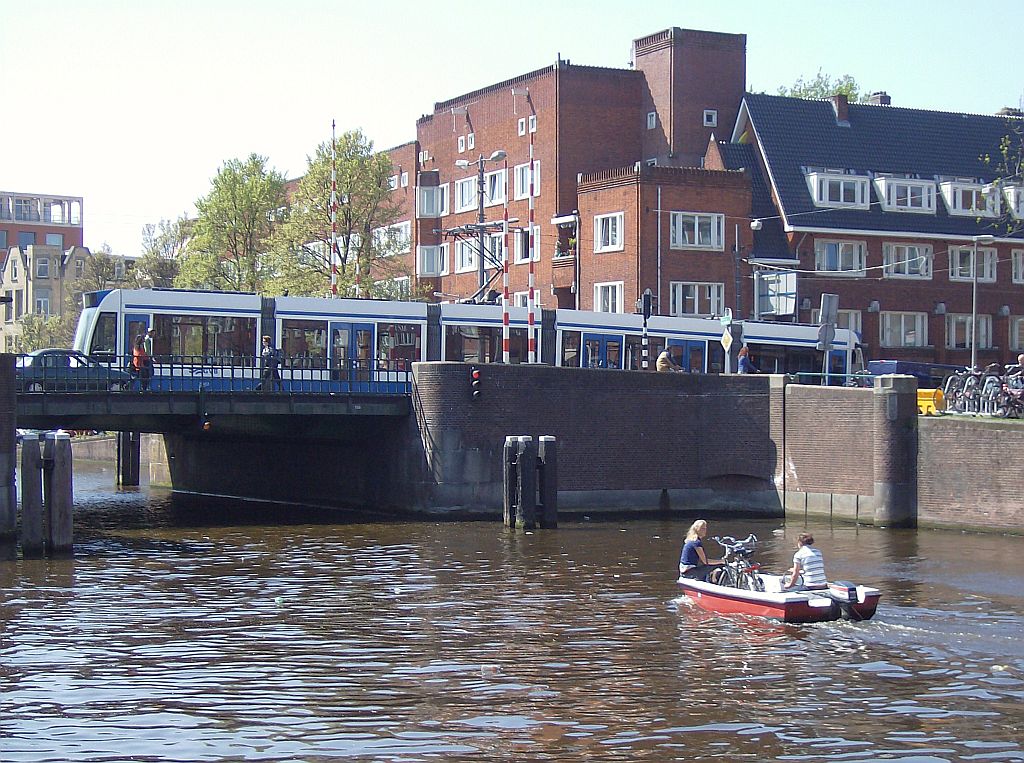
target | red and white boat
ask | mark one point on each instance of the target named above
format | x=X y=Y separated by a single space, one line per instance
x=838 y=600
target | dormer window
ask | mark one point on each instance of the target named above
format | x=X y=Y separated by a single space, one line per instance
x=970 y=199
x=1015 y=200
x=906 y=195
x=838 y=190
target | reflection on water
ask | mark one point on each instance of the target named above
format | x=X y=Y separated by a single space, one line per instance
x=201 y=631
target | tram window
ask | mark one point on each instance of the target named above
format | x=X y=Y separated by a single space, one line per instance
x=613 y=353
x=472 y=344
x=220 y=339
x=635 y=348
x=104 y=336
x=304 y=343
x=716 y=358
x=398 y=346
x=571 y=349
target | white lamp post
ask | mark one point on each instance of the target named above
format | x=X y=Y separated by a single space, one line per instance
x=984 y=239
x=497 y=156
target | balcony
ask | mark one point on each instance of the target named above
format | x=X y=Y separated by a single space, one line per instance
x=563 y=271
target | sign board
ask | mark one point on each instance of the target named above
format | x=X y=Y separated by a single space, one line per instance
x=726 y=318
x=829 y=311
x=726 y=339
x=776 y=292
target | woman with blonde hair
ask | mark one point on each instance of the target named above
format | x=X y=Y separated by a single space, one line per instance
x=693 y=562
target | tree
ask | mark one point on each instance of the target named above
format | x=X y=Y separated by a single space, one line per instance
x=302 y=239
x=163 y=245
x=1008 y=166
x=103 y=270
x=36 y=332
x=824 y=86
x=231 y=234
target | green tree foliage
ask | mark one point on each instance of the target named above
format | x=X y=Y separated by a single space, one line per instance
x=36 y=332
x=1008 y=165
x=824 y=86
x=163 y=246
x=230 y=239
x=302 y=238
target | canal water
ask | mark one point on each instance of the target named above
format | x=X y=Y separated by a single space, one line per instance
x=208 y=631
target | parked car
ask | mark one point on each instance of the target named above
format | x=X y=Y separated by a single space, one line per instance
x=59 y=370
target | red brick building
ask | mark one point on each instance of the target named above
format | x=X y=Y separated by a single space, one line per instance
x=27 y=219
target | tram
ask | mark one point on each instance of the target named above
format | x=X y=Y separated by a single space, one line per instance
x=212 y=339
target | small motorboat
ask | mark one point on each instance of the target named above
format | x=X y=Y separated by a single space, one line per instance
x=839 y=600
x=747 y=591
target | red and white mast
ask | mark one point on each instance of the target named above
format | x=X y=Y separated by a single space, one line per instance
x=504 y=280
x=531 y=300
x=334 y=216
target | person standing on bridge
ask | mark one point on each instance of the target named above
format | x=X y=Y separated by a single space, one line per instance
x=270 y=360
x=142 y=363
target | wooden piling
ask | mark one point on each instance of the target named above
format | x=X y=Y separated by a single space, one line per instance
x=547 y=476
x=508 y=460
x=8 y=450
x=32 y=537
x=129 y=448
x=526 y=484
x=58 y=492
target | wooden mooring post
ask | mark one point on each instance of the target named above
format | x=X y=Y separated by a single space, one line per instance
x=47 y=495
x=530 y=470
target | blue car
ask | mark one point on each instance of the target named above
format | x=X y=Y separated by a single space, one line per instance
x=60 y=370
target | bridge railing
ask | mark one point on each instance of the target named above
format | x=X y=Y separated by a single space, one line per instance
x=211 y=373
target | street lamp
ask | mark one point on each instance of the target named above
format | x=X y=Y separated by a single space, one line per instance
x=497 y=156
x=983 y=239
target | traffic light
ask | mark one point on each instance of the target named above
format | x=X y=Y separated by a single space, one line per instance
x=474 y=375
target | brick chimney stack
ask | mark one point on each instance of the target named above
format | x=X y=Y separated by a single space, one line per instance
x=879 y=98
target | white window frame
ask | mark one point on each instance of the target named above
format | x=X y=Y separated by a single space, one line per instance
x=960 y=258
x=696 y=298
x=462 y=144
x=710 y=118
x=471 y=141
x=845 y=319
x=14 y=269
x=393 y=182
x=849 y=257
x=960 y=323
x=715 y=227
x=521 y=298
x=1017 y=333
x=853 y=192
x=1017 y=260
x=42 y=302
x=495 y=187
x=521 y=180
x=79 y=267
x=404 y=181
x=42 y=267
x=652 y=120
x=521 y=126
x=1015 y=200
x=907 y=322
x=906 y=195
x=432 y=201
x=462 y=203
x=432 y=260
x=608 y=233
x=495 y=250
x=612 y=289
x=520 y=245
x=532 y=123
x=393 y=239
x=912 y=261
x=970 y=199
x=466 y=256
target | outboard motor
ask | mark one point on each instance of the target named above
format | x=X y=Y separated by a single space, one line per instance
x=844 y=594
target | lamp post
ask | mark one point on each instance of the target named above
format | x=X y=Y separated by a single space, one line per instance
x=497 y=156
x=983 y=239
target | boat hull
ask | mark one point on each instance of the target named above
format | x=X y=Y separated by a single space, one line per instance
x=789 y=607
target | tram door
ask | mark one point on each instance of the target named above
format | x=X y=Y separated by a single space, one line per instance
x=135 y=324
x=602 y=351
x=351 y=354
x=692 y=359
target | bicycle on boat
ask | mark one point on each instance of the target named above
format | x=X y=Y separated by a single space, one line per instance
x=737 y=570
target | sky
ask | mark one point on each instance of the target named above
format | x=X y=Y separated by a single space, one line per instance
x=134 y=104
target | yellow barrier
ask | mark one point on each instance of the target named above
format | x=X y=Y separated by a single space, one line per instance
x=930 y=402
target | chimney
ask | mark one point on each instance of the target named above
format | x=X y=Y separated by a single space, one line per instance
x=880 y=98
x=842 y=108
x=1009 y=111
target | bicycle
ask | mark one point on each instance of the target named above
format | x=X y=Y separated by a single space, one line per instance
x=738 y=571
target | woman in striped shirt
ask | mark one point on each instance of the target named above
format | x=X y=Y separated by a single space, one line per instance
x=808 y=564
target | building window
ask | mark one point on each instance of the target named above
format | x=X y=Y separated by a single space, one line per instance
x=837 y=190
x=55 y=239
x=393 y=239
x=903 y=329
x=432 y=260
x=79 y=267
x=494 y=188
x=906 y=261
x=1017 y=257
x=696 y=298
x=903 y=195
x=42 y=302
x=26 y=210
x=522 y=125
x=3 y=240
x=393 y=182
x=495 y=249
x=608 y=297
x=522 y=244
x=471 y=141
x=608 y=233
x=846 y=257
x=958 y=331
x=465 y=194
x=424 y=157
x=1015 y=200
x=462 y=144
x=652 y=120
x=960 y=259
x=1017 y=333
x=9 y=306
x=970 y=199
x=26 y=239
x=693 y=230
x=522 y=180
x=465 y=256
x=711 y=117
x=404 y=182
x=432 y=201
x=14 y=269
x=652 y=162
x=533 y=122
x=521 y=299
x=42 y=267
x=845 y=319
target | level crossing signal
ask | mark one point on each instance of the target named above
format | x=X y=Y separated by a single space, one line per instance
x=474 y=376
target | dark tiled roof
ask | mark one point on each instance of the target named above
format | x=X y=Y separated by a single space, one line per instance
x=771 y=240
x=796 y=133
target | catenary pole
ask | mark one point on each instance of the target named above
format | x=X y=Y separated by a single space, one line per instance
x=334 y=215
x=504 y=278
x=531 y=300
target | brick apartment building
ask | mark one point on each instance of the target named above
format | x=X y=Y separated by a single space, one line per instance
x=651 y=177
